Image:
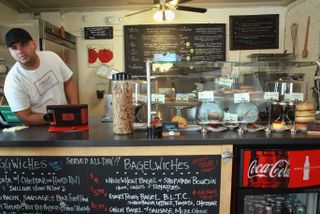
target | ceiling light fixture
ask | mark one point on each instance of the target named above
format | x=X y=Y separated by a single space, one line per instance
x=164 y=15
x=164 y=12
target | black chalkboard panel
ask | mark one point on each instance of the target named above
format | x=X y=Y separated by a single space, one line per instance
x=101 y=32
x=254 y=32
x=105 y=184
x=193 y=42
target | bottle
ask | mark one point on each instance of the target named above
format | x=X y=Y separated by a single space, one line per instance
x=300 y=209
x=306 y=169
x=122 y=104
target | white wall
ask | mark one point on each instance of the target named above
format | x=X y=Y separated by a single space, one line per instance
x=8 y=14
x=75 y=22
x=298 y=13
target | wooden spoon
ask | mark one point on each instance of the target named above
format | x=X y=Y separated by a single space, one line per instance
x=304 y=53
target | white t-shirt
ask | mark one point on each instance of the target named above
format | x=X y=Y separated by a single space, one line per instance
x=37 y=88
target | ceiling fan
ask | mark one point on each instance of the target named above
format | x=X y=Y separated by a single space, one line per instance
x=165 y=5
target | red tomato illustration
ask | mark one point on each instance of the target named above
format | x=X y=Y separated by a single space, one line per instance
x=92 y=55
x=105 y=55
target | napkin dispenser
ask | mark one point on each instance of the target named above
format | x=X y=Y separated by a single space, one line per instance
x=67 y=115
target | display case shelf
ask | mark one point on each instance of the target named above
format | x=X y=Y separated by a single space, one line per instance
x=219 y=64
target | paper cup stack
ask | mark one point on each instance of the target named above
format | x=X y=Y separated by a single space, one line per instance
x=305 y=113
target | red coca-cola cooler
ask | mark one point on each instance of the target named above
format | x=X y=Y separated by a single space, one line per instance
x=280 y=180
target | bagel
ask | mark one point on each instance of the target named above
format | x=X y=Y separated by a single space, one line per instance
x=304 y=107
x=305 y=113
x=305 y=119
x=180 y=120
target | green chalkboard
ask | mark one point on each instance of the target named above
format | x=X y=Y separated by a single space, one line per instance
x=254 y=32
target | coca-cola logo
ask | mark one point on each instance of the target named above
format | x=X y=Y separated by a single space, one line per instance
x=279 y=169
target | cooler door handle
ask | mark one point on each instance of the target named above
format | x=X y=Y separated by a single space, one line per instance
x=227 y=156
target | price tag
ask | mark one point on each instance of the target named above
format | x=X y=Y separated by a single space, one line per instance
x=241 y=98
x=294 y=96
x=230 y=117
x=182 y=98
x=227 y=82
x=159 y=98
x=206 y=96
x=268 y=95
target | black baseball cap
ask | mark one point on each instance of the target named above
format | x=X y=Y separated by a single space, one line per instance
x=17 y=35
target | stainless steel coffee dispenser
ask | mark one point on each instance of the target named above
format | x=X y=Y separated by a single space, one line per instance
x=316 y=90
x=106 y=72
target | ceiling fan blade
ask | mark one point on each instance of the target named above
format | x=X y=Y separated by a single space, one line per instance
x=183 y=1
x=191 y=9
x=170 y=2
x=141 y=11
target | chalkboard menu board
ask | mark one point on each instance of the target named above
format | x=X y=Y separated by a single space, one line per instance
x=254 y=32
x=110 y=184
x=102 y=32
x=193 y=42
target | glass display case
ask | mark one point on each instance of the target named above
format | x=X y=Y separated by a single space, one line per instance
x=226 y=95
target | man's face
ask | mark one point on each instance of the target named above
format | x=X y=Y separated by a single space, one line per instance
x=23 y=52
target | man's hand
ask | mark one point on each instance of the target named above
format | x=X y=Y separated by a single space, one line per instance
x=30 y=118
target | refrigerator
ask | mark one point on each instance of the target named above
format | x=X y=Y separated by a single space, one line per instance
x=47 y=37
x=281 y=180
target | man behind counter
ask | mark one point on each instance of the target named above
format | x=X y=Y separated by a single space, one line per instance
x=36 y=80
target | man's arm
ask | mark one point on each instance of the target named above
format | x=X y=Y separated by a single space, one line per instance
x=70 y=87
x=30 y=118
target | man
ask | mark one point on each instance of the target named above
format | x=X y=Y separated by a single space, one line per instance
x=37 y=79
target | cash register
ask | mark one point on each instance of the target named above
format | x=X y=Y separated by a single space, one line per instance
x=67 y=118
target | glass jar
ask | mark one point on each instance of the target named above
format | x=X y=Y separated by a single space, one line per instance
x=122 y=105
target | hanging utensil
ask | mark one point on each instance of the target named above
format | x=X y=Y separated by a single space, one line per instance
x=304 y=53
x=294 y=30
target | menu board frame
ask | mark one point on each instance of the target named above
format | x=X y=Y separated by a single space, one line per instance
x=191 y=42
x=117 y=152
x=249 y=32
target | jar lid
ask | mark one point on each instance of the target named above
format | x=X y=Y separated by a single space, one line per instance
x=121 y=76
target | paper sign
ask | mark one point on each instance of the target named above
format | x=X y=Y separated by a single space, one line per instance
x=182 y=98
x=170 y=129
x=294 y=96
x=230 y=117
x=268 y=95
x=241 y=98
x=206 y=96
x=159 y=98
x=227 y=82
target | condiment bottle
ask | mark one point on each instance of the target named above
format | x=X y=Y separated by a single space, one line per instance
x=122 y=105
